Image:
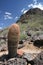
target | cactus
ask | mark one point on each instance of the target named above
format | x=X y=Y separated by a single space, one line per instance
x=13 y=39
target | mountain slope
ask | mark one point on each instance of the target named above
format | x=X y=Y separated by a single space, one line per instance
x=32 y=18
x=30 y=22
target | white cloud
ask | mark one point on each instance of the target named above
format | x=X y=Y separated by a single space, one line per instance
x=36 y=5
x=35 y=1
x=16 y=18
x=8 y=15
x=24 y=10
x=30 y=5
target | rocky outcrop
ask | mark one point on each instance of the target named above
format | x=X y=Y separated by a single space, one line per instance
x=38 y=40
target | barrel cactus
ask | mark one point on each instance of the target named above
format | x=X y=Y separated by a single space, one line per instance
x=13 y=39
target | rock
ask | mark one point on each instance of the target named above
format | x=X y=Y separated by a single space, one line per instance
x=28 y=56
x=3 y=47
x=21 y=46
x=39 y=59
x=1 y=63
x=17 y=61
x=14 y=61
x=20 y=52
x=38 y=39
x=28 y=33
x=21 y=42
x=38 y=43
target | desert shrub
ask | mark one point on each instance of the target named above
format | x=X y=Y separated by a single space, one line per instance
x=23 y=36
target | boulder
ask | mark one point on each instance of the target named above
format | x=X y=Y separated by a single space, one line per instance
x=38 y=40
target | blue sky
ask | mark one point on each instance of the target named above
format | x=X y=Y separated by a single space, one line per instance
x=11 y=10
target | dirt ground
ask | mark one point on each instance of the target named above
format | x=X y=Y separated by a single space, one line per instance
x=28 y=48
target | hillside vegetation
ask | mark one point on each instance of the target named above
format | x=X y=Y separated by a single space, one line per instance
x=31 y=22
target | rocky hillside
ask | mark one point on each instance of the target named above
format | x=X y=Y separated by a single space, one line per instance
x=33 y=17
x=30 y=23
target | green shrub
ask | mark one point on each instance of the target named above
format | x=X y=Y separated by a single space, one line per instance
x=23 y=36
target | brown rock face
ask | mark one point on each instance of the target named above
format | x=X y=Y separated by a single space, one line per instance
x=13 y=39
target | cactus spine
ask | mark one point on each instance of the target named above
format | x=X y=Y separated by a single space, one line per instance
x=13 y=39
